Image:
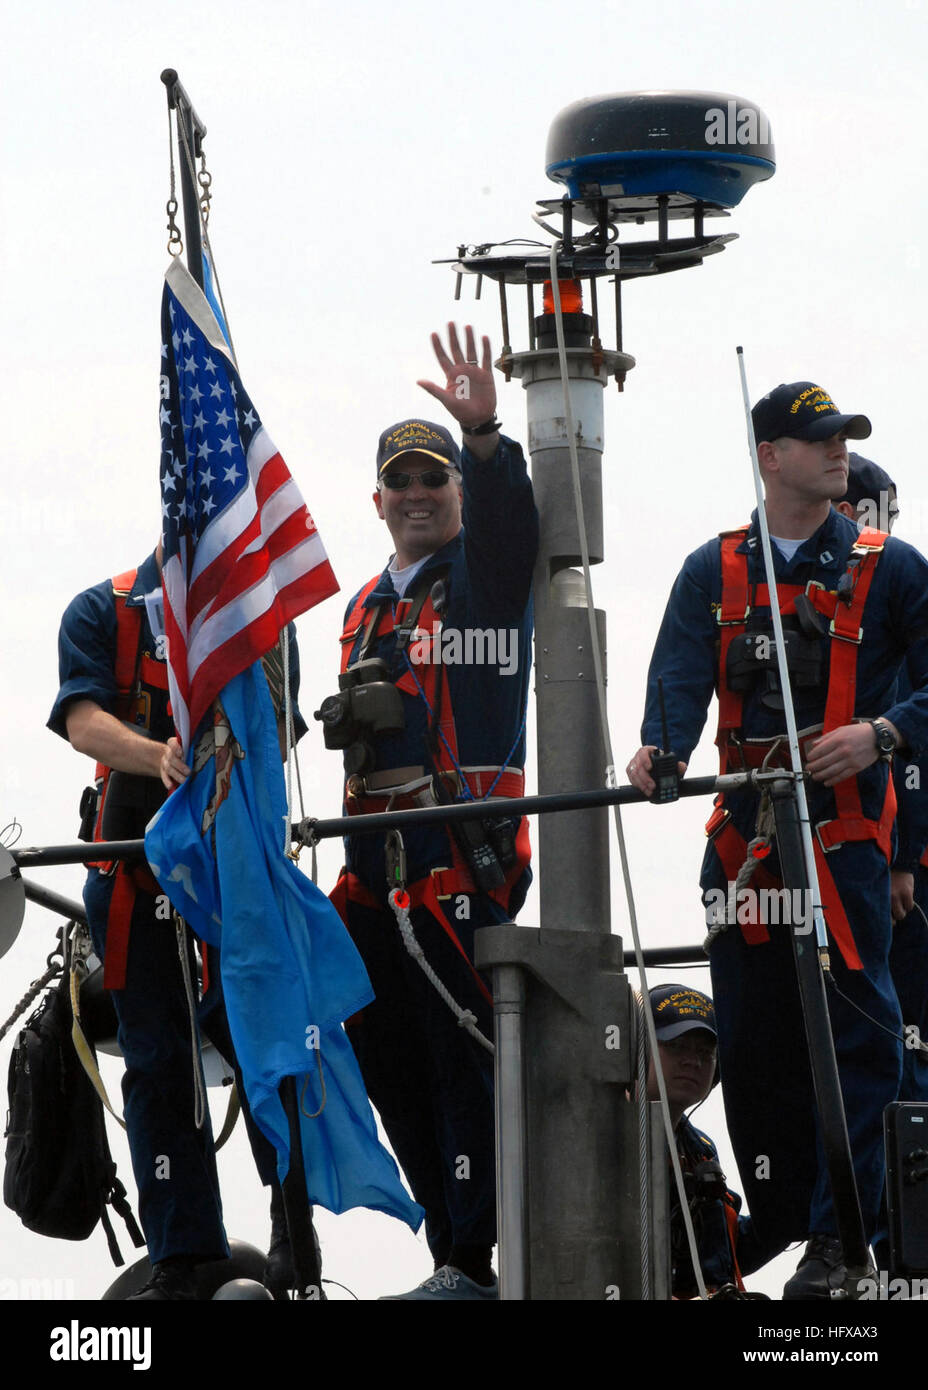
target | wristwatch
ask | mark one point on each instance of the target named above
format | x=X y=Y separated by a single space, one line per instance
x=885 y=738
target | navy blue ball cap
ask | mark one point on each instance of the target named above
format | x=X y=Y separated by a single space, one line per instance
x=802 y=410
x=417 y=437
x=678 y=1009
x=865 y=479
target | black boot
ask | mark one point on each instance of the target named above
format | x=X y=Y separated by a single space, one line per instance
x=278 y=1272
x=171 y=1280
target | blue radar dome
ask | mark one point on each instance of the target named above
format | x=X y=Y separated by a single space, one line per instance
x=706 y=146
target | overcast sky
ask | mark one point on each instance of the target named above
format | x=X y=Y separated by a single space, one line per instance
x=350 y=146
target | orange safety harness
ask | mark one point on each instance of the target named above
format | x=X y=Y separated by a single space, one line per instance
x=689 y=1161
x=845 y=612
x=433 y=686
x=731 y=1221
x=136 y=674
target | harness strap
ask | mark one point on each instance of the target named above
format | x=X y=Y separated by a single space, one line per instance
x=505 y=783
x=128 y=624
x=82 y=1047
x=731 y=1221
x=128 y=883
x=354 y=622
x=846 y=634
x=131 y=666
x=731 y=848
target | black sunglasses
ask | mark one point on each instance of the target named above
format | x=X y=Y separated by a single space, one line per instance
x=399 y=482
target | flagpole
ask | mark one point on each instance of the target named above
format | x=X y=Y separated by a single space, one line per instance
x=307 y=1267
x=297 y=1210
x=189 y=139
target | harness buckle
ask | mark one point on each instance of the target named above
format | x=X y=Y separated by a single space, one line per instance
x=444 y=869
x=732 y=622
x=826 y=849
x=450 y=778
x=844 y=636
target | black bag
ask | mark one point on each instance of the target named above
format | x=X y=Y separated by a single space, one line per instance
x=60 y=1176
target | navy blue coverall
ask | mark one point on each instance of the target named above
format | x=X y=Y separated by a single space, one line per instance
x=762 y=1051
x=430 y=1081
x=713 y=1219
x=173 y=1162
x=908 y=959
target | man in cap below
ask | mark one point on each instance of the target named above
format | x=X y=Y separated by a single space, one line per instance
x=684 y=1021
x=451 y=619
x=871 y=500
x=856 y=610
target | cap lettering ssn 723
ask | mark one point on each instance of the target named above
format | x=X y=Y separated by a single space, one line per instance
x=802 y=410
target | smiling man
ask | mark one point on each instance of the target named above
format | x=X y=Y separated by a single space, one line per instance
x=855 y=608
x=420 y=729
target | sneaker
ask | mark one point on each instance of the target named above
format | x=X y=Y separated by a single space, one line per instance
x=171 y=1280
x=820 y=1273
x=446 y=1284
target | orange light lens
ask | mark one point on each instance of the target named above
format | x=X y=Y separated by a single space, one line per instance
x=571 y=297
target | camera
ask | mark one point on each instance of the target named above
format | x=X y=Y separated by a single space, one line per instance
x=367 y=704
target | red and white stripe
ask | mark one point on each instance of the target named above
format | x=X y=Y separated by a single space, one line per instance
x=257 y=566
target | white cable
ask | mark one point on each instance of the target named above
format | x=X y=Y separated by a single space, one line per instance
x=802 y=805
x=610 y=779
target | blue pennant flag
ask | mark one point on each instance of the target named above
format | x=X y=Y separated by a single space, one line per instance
x=290 y=972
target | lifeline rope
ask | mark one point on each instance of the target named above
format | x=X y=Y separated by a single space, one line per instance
x=611 y=782
x=465 y=1017
x=757 y=849
x=34 y=989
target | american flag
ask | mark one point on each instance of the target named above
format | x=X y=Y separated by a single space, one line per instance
x=242 y=556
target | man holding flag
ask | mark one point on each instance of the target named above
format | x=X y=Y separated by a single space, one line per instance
x=113 y=705
x=241 y=558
